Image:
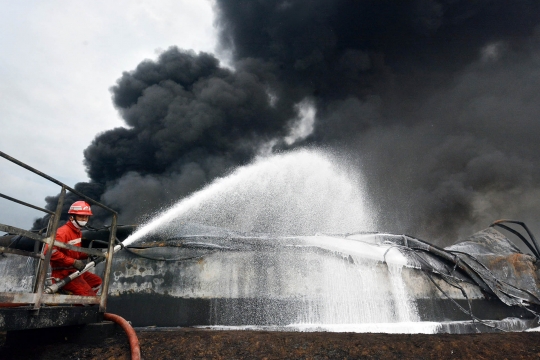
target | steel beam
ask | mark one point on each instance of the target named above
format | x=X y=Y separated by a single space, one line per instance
x=108 y=266
x=21 y=252
x=42 y=273
x=30 y=298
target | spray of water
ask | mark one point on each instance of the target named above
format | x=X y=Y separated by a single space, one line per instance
x=304 y=192
x=297 y=193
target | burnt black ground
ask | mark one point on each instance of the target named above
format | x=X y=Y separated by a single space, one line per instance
x=188 y=343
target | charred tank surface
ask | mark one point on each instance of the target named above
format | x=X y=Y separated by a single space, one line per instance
x=204 y=276
x=366 y=282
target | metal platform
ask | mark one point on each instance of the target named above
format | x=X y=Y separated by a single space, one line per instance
x=33 y=307
x=26 y=318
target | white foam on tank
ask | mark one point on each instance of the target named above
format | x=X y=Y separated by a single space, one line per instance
x=387 y=328
x=362 y=290
x=423 y=327
x=361 y=293
x=17 y=273
x=359 y=248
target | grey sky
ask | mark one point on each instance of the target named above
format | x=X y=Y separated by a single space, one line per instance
x=59 y=59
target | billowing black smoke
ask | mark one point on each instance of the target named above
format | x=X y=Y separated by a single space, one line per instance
x=437 y=101
x=189 y=121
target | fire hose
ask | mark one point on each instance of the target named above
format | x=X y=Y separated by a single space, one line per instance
x=92 y=264
x=132 y=336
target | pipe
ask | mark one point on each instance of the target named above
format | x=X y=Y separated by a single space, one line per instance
x=132 y=336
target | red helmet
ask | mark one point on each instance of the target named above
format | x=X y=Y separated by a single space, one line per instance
x=80 y=208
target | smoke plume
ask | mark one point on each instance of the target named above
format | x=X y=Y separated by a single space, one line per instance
x=437 y=103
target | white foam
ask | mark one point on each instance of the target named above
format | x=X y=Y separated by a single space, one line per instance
x=387 y=328
x=362 y=249
x=406 y=327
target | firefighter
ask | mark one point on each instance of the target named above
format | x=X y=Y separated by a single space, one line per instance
x=65 y=262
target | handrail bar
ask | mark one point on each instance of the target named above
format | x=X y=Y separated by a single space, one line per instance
x=20 y=252
x=26 y=204
x=35 y=171
x=18 y=231
x=36 y=237
x=37 y=297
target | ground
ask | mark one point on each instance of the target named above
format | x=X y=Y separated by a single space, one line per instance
x=187 y=343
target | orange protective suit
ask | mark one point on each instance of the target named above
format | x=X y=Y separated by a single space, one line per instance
x=62 y=263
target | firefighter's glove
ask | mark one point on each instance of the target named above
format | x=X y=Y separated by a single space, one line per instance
x=79 y=265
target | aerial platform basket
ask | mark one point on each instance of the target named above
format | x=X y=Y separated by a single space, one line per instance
x=37 y=309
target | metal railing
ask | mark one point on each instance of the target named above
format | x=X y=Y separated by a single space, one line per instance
x=37 y=297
